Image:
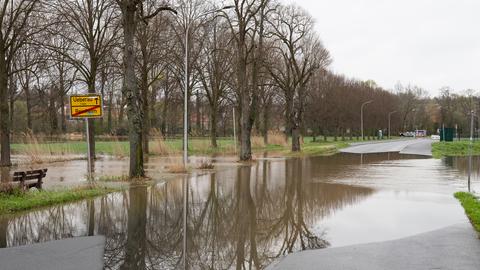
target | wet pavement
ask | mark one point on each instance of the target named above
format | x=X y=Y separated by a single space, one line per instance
x=453 y=248
x=248 y=216
x=66 y=254
x=403 y=146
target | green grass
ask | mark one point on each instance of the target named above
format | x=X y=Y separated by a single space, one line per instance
x=17 y=201
x=197 y=146
x=456 y=148
x=472 y=207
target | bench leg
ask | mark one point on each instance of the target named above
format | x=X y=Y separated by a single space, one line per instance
x=22 y=185
x=39 y=183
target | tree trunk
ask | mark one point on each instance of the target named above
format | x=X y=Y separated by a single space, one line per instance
x=245 y=126
x=296 y=139
x=144 y=89
x=197 y=112
x=266 y=114
x=121 y=112
x=109 y=110
x=288 y=115
x=213 y=126
x=26 y=90
x=4 y=114
x=63 y=114
x=153 y=99
x=91 y=124
x=52 y=114
x=131 y=92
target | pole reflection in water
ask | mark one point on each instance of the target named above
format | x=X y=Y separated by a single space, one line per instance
x=239 y=218
x=185 y=222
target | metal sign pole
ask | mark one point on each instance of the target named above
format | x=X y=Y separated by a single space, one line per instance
x=89 y=152
x=87 y=107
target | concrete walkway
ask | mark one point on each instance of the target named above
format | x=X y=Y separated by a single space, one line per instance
x=411 y=147
x=456 y=248
x=69 y=254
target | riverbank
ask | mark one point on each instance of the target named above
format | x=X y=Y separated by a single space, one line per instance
x=454 y=149
x=18 y=201
x=471 y=204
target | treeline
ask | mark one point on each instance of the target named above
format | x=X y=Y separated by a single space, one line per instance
x=259 y=57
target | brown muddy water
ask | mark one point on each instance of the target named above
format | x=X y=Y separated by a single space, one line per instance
x=246 y=216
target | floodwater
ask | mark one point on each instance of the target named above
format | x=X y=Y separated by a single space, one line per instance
x=245 y=217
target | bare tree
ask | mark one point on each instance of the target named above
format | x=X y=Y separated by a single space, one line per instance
x=16 y=28
x=300 y=53
x=92 y=32
x=130 y=89
x=242 y=25
x=214 y=69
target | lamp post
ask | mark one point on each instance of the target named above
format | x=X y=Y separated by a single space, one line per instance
x=188 y=20
x=389 y=118
x=186 y=79
x=361 y=116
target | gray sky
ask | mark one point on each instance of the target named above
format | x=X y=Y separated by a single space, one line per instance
x=429 y=43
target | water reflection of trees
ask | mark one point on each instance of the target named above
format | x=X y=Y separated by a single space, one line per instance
x=241 y=218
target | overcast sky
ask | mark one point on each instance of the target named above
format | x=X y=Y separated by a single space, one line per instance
x=429 y=43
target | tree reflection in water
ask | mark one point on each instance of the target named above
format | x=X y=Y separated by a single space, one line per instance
x=241 y=218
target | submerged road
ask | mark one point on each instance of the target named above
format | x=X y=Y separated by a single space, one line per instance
x=409 y=147
x=68 y=254
x=453 y=248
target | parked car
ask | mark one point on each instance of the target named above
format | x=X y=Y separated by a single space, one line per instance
x=435 y=137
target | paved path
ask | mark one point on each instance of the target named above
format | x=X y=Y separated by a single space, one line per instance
x=68 y=254
x=453 y=248
x=412 y=147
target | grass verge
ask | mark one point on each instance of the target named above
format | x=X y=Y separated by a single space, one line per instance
x=472 y=207
x=17 y=201
x=456 y=148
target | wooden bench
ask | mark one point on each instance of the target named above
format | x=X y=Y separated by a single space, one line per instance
x=29 y=179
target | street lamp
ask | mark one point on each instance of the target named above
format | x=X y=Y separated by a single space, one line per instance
x=185 y=125
x=185 y=108
x=389 y=117
x=361 y=116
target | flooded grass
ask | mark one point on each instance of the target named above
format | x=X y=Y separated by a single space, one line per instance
x=114 y=178
x=19 y=201
x=471 y=203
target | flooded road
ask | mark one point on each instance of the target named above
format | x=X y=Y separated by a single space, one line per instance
x=246 y=216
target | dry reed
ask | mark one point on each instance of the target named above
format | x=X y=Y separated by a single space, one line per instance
x=277 y=138
x=38 y=151
x=157 y=144
x=176 y=168
x=257 y=142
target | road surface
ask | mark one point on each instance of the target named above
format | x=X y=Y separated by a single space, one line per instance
x=410 y=146
x=452 y=248
x=68 y=254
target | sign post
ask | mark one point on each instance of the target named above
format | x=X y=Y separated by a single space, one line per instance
x=86 y=107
